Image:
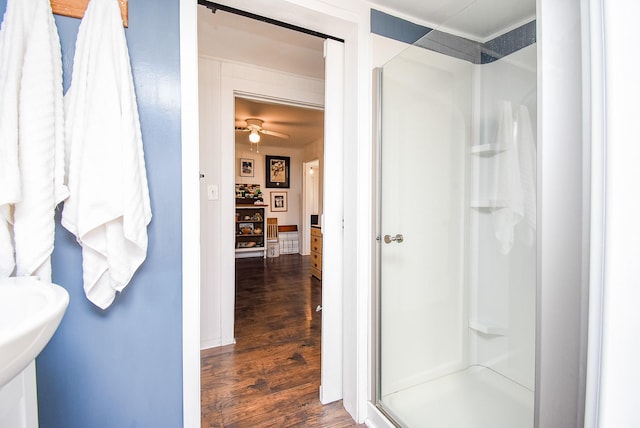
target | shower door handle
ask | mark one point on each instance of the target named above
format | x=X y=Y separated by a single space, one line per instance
x=389 y=239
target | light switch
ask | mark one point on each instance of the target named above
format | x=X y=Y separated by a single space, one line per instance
x=212 y=192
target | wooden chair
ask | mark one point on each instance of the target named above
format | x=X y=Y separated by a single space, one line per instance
x=272 y=229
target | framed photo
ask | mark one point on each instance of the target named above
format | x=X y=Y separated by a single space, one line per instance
x=277 y=171
x=279 y=202
x=246 y=167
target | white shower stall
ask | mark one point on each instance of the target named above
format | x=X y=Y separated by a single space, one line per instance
x=456 y=294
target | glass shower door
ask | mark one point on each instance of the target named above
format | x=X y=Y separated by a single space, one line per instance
x=422 y=224
x=456 y=296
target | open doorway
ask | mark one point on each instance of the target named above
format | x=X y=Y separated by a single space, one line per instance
x=222 y=81
x=311 y=202
x=284 y=134
x=351 y=359
x=261 y=66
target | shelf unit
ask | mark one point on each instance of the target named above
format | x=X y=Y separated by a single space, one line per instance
x=250 y=231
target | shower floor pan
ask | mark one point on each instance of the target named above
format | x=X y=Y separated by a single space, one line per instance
x=476 y=397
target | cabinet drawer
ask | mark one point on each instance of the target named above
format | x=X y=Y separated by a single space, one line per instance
x=316 y=272
x=316 y=260
x=316 y=232
x=316 y=244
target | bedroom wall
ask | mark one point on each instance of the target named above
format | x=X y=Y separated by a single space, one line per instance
x=294 y=193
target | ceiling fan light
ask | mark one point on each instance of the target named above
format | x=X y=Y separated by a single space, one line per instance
x=254 y=137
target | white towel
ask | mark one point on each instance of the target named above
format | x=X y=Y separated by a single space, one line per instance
x=108 y=207
x=31 y=136
x=506 y=182
x=527 y=157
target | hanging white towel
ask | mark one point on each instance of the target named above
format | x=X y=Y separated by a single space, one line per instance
x=108 y=208
x=31 y=137
x=506 y=186
x=527 y=158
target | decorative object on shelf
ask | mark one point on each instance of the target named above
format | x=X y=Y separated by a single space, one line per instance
x=249 y=244
x=249 y=194
x=279 y=202
x=246 y=228
x=246 y=168
x=277 y=171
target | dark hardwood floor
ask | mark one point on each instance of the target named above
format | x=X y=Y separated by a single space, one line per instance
x=271 y=376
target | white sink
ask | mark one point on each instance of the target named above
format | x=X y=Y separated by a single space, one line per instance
x=30 y=312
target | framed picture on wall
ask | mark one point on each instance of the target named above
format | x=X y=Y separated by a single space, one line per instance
x=246 y=167
x=279 y=202
x=277 y=171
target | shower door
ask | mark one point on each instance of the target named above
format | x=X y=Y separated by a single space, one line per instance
x=456 y=295
x=422 y=222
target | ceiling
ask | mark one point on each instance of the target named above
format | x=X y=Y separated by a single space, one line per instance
x=479 y=20
x=303 y=125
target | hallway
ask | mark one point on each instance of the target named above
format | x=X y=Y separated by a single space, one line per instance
x=271 y=376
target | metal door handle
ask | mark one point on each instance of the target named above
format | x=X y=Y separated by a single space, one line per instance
x=389 y=239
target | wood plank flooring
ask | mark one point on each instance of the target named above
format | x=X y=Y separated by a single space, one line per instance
x=271 y=376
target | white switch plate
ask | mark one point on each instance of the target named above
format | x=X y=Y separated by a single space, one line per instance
x=212 y=192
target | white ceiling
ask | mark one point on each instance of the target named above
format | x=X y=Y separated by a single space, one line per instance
x=303 y=125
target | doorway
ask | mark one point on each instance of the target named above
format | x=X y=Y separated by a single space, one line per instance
x=356 y=113
x=222 y=80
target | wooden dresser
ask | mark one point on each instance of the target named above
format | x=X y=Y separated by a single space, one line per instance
x=316 y=252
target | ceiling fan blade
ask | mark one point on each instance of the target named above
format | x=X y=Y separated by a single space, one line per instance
x=274 y=134
x=242 y=129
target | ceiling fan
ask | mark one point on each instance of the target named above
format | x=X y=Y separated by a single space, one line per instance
x=254 y=127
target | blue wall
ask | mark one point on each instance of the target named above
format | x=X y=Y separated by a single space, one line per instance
x=123 y=367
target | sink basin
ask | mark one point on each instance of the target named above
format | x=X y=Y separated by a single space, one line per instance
x=30 y=312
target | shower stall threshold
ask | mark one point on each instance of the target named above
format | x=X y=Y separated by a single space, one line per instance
x=476 y=397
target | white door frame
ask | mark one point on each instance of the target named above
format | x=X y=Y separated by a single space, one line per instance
x=350 y=21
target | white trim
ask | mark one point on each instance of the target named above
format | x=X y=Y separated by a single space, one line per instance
x=620 y=374
x=190 y=216
x=593 y=69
